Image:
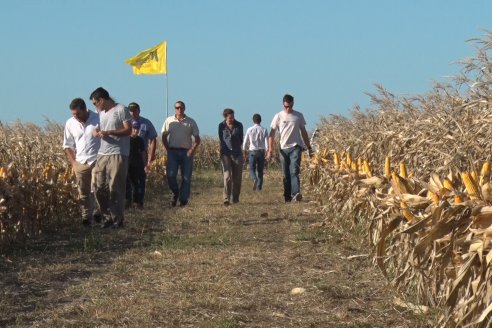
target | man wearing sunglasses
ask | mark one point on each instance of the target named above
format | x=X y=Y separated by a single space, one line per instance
x=180 y=137
x=293 y=138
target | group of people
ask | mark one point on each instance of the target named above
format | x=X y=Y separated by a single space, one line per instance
x=111 y=150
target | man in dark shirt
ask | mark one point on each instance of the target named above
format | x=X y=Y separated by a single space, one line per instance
x=136 y=168
x=231 y=157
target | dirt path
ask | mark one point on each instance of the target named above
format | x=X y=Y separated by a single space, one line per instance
x=204 y=265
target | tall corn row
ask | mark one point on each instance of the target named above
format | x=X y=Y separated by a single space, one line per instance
x=419 y=189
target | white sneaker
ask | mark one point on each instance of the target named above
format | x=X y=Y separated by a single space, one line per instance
x=297 y=197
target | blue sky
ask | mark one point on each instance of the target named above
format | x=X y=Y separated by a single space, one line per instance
x=240 y=54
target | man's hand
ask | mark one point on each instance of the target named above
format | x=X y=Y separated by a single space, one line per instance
x=269 y=155
x=310 y=152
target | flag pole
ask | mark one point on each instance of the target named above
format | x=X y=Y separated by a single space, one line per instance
x=167 y=97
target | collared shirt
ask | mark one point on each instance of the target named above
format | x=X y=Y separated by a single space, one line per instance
x=231 y=140
x=114 y=119
x=256 y=138
x=179 y=132
x=78 y=137
x=289 y=125
x=146 y=131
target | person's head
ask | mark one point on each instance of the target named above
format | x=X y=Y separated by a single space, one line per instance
x=79 y=109
x=288 y=103
x=134 y=109
x=228 y=115
x=101 y=100
x=135 y=128
x=179 y=108
x=256 y=118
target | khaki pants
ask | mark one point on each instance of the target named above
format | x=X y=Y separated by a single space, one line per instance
x=232 y=168
x=111 y=171
x=84 y=176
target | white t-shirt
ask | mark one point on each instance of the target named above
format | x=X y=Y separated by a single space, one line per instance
x=289 y=125
x=78 y=137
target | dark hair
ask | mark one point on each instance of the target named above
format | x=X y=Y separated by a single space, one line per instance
x=134 y=105
x=100 y=93
x=288 y=99
x=257 y=118
x=181 y=103
x=228 y=111
x=78 y=103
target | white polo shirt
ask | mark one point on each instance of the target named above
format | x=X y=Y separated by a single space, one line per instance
x=180 y=132
x=78 y=137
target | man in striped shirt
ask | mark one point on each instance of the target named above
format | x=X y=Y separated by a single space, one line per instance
x=255 y=145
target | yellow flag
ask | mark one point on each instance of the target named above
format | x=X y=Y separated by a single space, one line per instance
x=150 y=61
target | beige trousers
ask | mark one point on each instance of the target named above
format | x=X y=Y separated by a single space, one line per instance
x=111 y=171
x=84 y=177
x=232 y=168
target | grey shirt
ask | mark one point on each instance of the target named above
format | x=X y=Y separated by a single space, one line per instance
x=113 y=119
x=147 y=130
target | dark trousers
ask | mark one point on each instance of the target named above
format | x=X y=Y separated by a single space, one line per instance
x=135 y=185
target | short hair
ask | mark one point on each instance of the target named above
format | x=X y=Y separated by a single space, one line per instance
x=181 y=103
x=100 y=93
x=78 y=103
x=257 y=118
x=134 y=105
x=228 y=111
x=288 y=98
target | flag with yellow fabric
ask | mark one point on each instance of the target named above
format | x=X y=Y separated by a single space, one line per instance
x=150 y=61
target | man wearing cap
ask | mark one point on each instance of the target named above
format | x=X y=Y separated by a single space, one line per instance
x=136 y=168
x=149 y=135
x=180 y=137
x=81 y=149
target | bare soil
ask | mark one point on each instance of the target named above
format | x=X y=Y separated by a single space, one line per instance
x=203 y=265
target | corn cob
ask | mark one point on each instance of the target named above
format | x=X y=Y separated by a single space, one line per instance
x=403 y=171
x=485 y=173
x=470 y=185
x=387 y=167
x=406 y=212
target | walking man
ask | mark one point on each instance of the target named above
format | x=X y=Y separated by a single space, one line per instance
x=112 y=159
x=180 y=137
x=149 y=135
x=81 y=149
x=255 y=146
x=293 y=138
x=231 y=157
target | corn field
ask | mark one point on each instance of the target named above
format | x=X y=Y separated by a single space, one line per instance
x=415 y=172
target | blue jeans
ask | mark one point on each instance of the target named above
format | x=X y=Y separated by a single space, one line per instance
x=179 y=159
x=256 y=165
x=290 y=159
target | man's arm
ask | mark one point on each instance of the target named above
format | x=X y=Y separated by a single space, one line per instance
x=126 y=130
x=151 y=150
x=271 y=140
x=192 y=150
x=70 y=155
x=165 y=142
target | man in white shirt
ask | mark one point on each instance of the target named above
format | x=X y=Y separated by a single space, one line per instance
x=255 y=145
x=293 y=139
x=112 y=159
x=81 y=149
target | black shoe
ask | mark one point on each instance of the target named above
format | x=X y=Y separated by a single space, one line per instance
x=108 y=223
x=226 y=203
x=183 y=203
x=235 y=201
x=118 y=224
x=86 y=222
x=287 y=199
x=174 y=201
x=97 y=218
